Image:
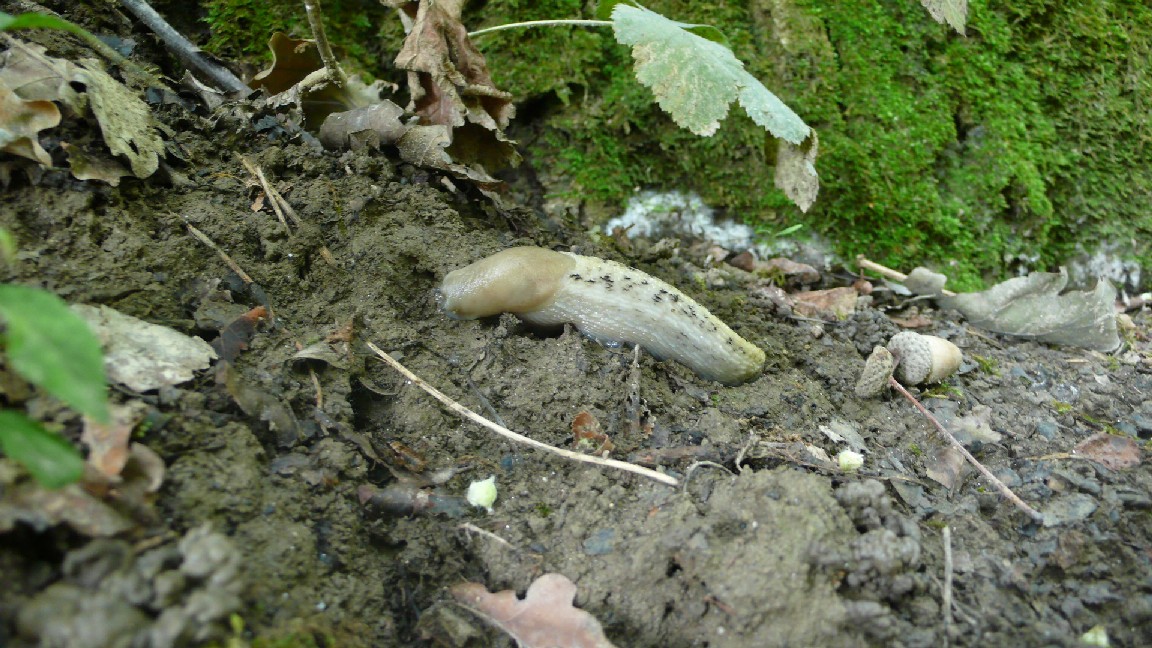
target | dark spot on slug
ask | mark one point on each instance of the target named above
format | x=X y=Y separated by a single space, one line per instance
x=574 y=276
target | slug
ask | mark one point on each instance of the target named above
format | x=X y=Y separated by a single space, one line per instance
x=609 y=302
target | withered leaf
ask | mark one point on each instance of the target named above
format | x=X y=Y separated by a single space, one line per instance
x=21 y=122
x=292 y=61
x=427 y=146
x=545 y=618
x=1111 y=451
x=796 y=170
x=449 y=80
x=125 y=120
x=35 y=76
x=368 y=127
x=235 y=337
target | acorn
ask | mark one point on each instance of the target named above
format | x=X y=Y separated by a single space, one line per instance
x=923 y=359
x=877 y=370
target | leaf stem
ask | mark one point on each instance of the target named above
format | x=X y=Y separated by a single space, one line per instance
x=541 y=23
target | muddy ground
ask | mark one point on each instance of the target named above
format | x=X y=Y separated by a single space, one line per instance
x=303 y=526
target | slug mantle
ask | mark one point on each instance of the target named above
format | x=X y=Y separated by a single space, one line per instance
x=608 y=302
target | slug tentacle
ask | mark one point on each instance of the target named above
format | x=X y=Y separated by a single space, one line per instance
x=606 y=301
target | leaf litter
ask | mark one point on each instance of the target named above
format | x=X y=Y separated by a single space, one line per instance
x=544 y=618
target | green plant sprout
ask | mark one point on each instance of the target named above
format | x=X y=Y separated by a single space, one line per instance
x=48 y=345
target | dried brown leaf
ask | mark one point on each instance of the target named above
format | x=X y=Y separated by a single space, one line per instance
x=35 y=76
x=108 y=444
x=545 y=618
x=292 y=61
x=40 y=508
x=449 y=79
x=21 y=122
x=944 y=466
x=587 y=435
x=427 y=146
x=1111 y=451
x=235 y=337
x=832 y=304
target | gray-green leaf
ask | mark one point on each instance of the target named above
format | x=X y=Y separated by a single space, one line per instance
x=51 y=347
x=696 y=79
x=51 y=460
x=953 y=12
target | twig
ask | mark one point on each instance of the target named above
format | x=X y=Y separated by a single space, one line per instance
x=1001 y=486
x=472 y=528
x=889 y=272
x=279 y=204
x=316 y=22
x=946 y=534
x=509 y=434
x=184 y=50
x=223 y=255
x=541 y=23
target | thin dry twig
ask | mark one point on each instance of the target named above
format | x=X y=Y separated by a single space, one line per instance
x=946 y=534
x=889 y=272
x=509 y=434
x=472 y=528
x=316 y=22
x=1001 y=486
x=279 y=204
x=244 y=276
x=184 y=50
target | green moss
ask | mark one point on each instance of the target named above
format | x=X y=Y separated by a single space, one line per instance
x=361 y=30
x=1021 y=141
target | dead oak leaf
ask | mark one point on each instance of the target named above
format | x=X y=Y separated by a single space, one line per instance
x=544 y=618
x=21 y=122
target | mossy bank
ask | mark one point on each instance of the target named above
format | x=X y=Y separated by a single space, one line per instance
x=1018 y=146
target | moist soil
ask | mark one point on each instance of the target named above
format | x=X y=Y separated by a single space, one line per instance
x=326 y=489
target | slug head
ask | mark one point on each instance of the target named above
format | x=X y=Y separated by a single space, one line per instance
x=516 y=280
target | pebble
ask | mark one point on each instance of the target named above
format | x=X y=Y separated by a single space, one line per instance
x=1048 y=429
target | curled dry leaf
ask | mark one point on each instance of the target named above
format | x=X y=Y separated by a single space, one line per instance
x=544 y=618
x=40 y=508
x=796 y=172
x=21 y=122
x=448 y=77
x=108 y=444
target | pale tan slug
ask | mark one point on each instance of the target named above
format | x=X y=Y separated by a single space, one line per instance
x=608 y=302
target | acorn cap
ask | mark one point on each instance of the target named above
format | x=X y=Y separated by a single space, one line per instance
x=923 y=359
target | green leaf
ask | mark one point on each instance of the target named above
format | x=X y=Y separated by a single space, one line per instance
x=8 y=22
x=51 y=347
x=604 y=11
x=7 y=247
x=696 y=79
x=51 y=460
x=953 y=12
